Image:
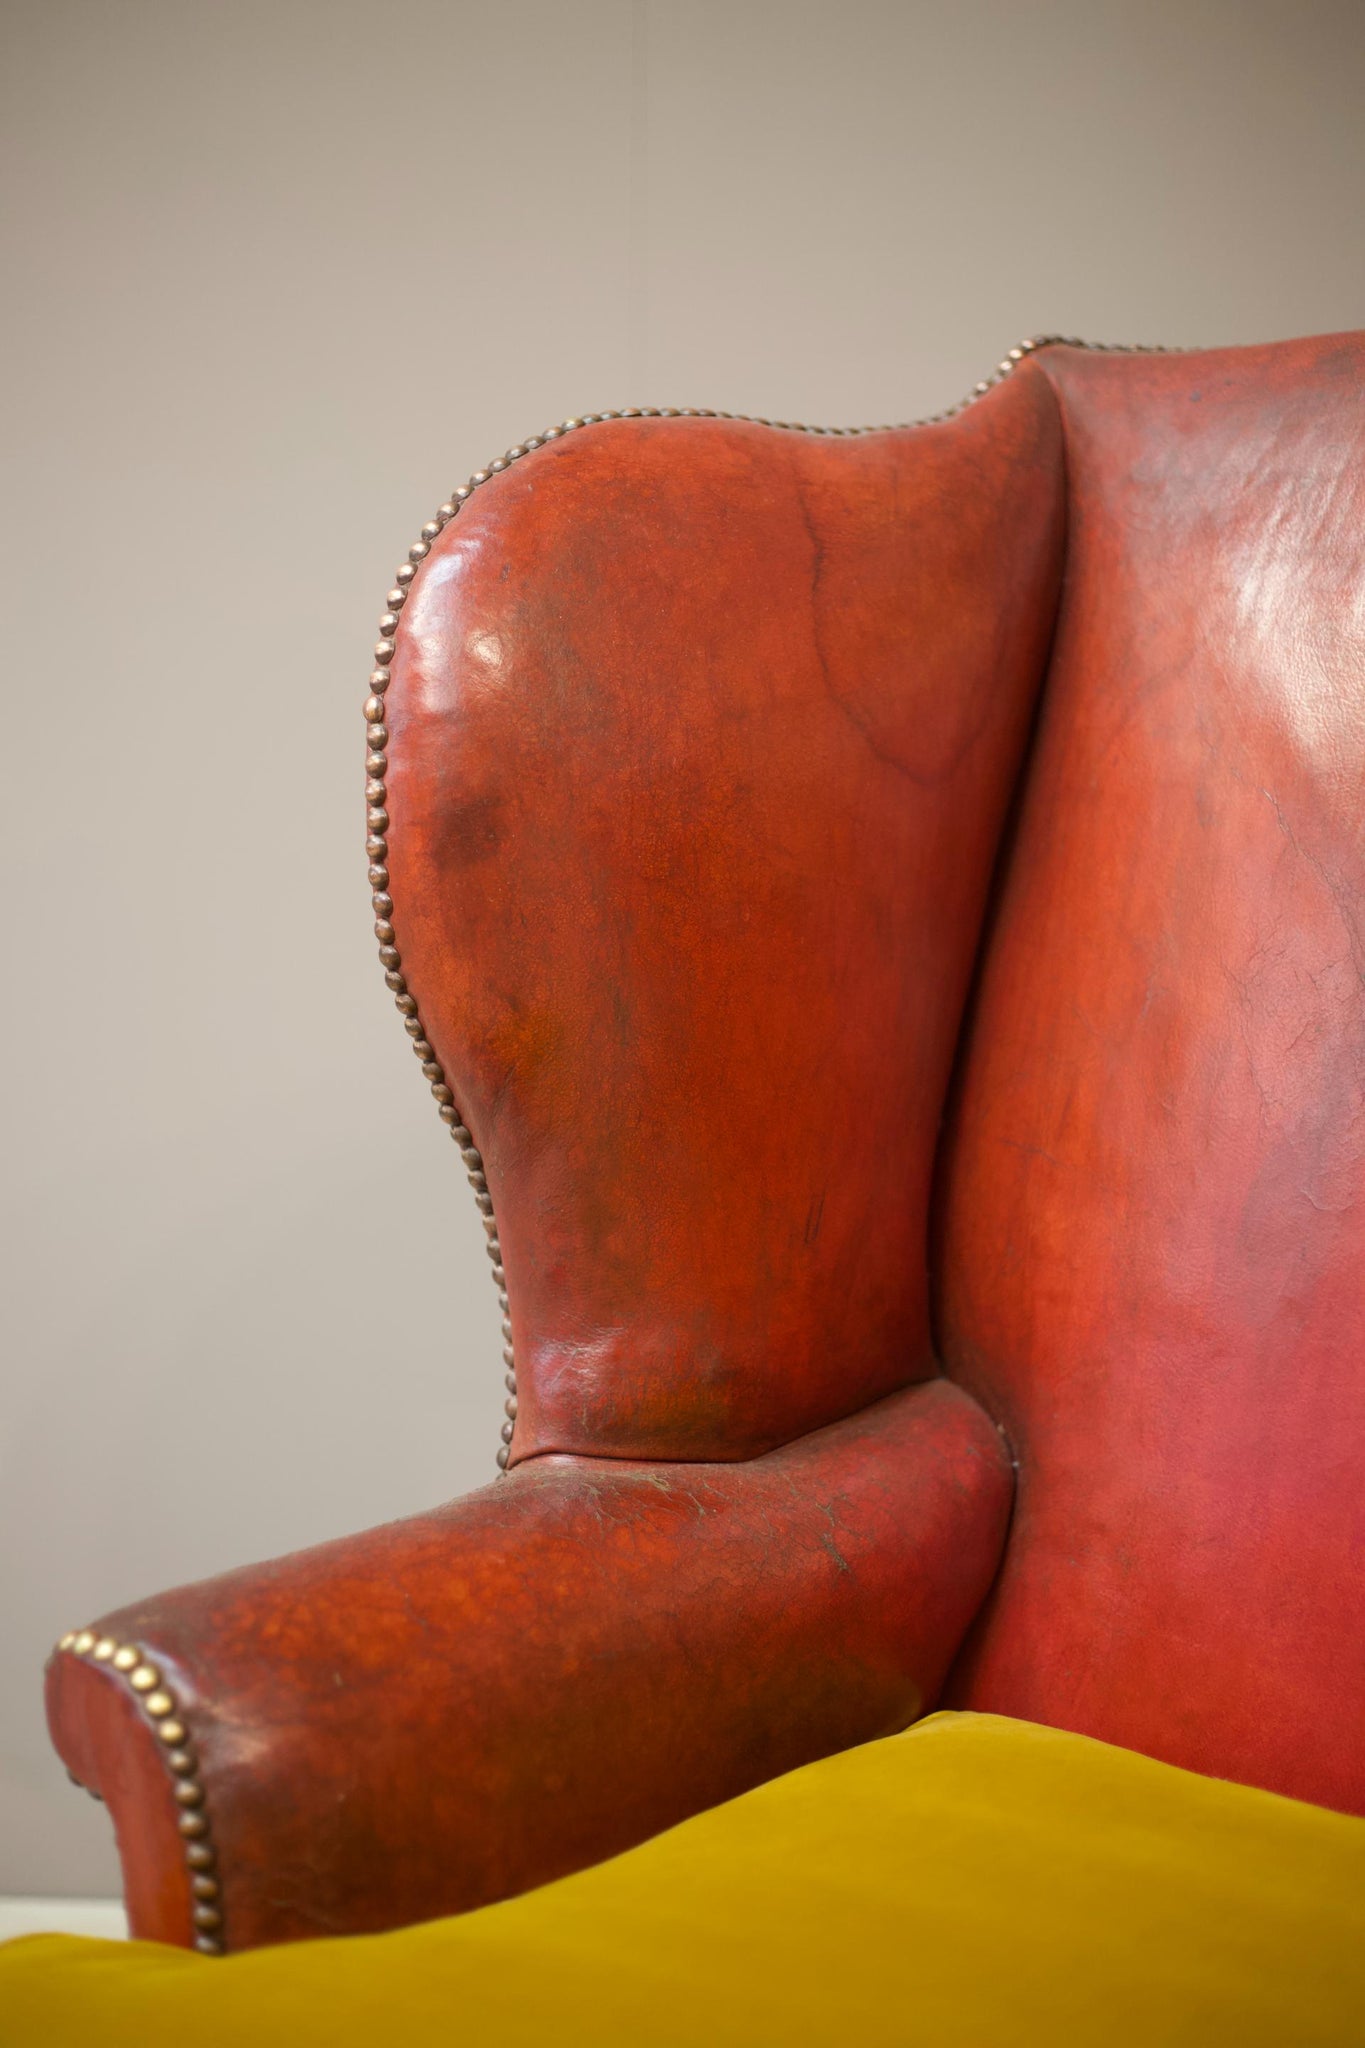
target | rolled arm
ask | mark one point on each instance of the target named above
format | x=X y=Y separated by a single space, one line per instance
x=451 y=1709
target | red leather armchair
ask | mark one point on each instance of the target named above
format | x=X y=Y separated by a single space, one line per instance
x=882 y=915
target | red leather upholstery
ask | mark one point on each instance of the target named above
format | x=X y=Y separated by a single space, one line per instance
x=456 y=1707
x=701 y=737
x=1154 y=1241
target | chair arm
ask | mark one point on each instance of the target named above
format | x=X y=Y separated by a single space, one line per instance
x=451 y=1709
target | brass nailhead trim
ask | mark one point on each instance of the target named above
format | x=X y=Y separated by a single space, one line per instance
x=158 y=1702
x=377 y=739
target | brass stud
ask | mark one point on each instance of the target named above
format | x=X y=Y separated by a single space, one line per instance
x=207 y=1916
x=510 y=1382
x=207 y=1946
x=189 y=1792
x=377 y=736
x=383 y=651
x=84 y=1643
x=374 y=709
x=504 y=1453
x=204 y=1887
x=193 y=1824
x=159 y=1703
x=395 y=598
x=144 y=1678
x=181 y=1762
x=509 y=1407
x=419 y=550
x=377 y=818
x=67 y=1640
x=104 y=1649
x=199 y=1855
x=380 y=680
x=388 y=624
x=405 y=574
x=445 y=512
x=171 y=1732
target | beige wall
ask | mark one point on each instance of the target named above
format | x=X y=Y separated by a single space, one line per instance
x=279 y=276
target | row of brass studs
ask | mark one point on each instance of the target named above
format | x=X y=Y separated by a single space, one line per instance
x=158 y=1703
x=377 y=816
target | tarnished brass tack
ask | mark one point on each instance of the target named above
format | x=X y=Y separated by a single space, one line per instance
x=181 y=1762
x=381 y=900
x=405 y=574
x=507 y=1358
x=374 y=709
x=445 y=512
x=199 y=1855
x=504 y=1454
x=158 y=1703
x=383 y=931
x=390 y=954
x=377 y=737
x=388 y=624
x=207 y=1916
x=207 y=1946
x=395 y=981
x=483 y=1202
x=172 y=1732
x=447 y=1112
x=407 y=1004
x=193 y=1824
x=374 y=791
x=421 y=1046
x=383 y=651
x=431 y=529
x=204 y=1887
x=395 y=598
x=510 y=1382
x=189 y=1792
x=419 y=550
x=378 y=818
x=507 y=1329
x=507 y=1432
x=144 y=1678
x=378 y=766
x=433 y=1071
x=509 y=1407
x=379 y=680
x=441 y=1090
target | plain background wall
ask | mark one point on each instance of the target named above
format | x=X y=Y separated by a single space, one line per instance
x=279 y=275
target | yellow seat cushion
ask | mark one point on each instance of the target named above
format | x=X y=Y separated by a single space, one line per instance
x=973 y=1881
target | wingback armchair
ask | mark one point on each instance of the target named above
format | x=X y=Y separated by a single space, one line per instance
x=882 y=917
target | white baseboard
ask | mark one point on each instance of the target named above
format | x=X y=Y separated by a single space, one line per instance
x=103 y=1917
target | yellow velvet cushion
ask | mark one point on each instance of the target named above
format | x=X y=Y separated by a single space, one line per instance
x=973 y=1881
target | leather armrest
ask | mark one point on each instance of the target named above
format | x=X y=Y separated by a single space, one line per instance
x=451 y=1709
